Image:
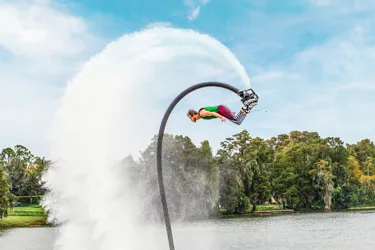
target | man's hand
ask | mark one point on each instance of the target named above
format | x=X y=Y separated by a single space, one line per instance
x=223 y=119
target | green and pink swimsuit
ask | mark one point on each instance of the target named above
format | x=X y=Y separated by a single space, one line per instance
x=224 y=111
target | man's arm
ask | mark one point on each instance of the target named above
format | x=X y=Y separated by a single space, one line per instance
x=204 y=113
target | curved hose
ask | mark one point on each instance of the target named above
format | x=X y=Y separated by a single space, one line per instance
x=160 y=143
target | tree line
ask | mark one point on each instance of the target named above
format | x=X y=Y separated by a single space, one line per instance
x=20 y=177
x=300 y=170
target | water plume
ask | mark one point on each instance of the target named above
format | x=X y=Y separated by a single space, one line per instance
x=112 y=108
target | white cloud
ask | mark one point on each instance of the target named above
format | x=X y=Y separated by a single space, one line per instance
x=159 y=25
x=343 y=59
x=24 y=26
x=42 y=47
x=194 y=8
x=316 y=69
x=194 y=14
x=326 y=88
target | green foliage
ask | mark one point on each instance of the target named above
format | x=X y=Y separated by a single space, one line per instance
x=4 y=193
x=20 y=175
x=299 y=170
x=24 y=171
x=347 y=196
x=190 y=173
x=28 y=200
x=240 y=204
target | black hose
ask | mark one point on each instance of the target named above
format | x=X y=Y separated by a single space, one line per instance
x=160 y=142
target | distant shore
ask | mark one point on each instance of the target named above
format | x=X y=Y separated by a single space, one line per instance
x=34 y=216
x=264 y=211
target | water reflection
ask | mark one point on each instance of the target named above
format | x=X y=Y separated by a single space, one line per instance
x=297 y=231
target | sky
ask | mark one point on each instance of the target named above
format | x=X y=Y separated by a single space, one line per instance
x=311 y=61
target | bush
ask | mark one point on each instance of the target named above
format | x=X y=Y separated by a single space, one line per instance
x=28 y=200
x=240 y=204
x=346 y=197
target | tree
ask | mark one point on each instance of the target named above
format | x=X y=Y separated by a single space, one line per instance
x=338 y=155
x=364 y=152
x=234 y=157
x=323 y=178
x=15 y=162
x=354 y=171
x=250 y=160
x=284 y=186
x=232 y=195
x=262 y=157
x=210 y=168
x=189 y=174
x=4 y=193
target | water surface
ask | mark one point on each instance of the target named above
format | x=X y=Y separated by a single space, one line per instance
x=347 y=230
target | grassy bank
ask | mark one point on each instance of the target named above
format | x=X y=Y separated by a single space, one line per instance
x=277 y=209
x=261 y=209
x=32 y=216
x=362 y=208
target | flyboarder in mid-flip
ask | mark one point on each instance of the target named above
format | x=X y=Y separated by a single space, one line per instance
x=222 y=112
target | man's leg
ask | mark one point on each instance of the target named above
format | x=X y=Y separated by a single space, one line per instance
x=240 y=117
x=227 y=113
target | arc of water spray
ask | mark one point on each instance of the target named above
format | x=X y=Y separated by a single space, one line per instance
x=160 y=144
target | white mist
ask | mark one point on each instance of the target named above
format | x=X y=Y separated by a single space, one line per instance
x=112 y=108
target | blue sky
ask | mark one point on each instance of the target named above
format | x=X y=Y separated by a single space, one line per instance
x=311 y=60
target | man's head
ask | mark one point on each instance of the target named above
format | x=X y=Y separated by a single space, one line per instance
x=193 y=115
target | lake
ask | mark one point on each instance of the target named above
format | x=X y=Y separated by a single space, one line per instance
x=337 y=230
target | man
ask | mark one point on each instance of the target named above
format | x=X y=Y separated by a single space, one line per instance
x=222 y=112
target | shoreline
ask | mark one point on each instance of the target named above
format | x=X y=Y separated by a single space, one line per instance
x=294 y=211
x=40 y=221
